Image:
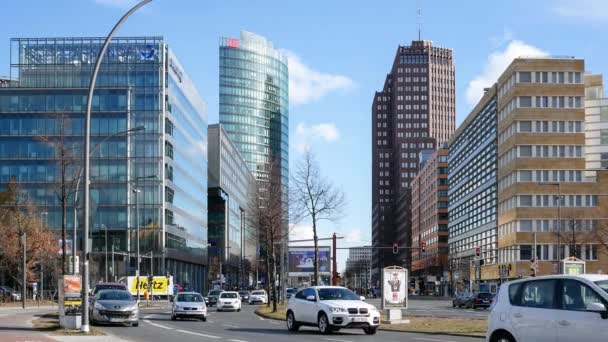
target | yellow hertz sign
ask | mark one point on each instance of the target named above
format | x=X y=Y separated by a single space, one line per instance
x=159 y=285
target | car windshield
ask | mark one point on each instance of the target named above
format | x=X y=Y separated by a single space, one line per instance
x=257 y=293
x=107 y=287
x=214 y=293
x=291 y=291
x=228 y=295
x=190 y=297
x=337 y=294
x=603 y=285
x=114 y=295
x=484 y=295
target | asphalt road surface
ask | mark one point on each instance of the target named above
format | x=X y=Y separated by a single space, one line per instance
x=246 y=326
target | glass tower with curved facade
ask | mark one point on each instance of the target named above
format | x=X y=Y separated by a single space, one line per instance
x=254 y=104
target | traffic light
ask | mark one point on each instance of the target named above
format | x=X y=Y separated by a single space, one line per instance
x=395 y=248
x=423 y=247
x=477 y=251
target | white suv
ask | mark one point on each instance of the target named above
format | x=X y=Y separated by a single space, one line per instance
x=552 y=308
x=331 y=308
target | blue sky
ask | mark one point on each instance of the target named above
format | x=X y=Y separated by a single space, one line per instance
x=340 y=53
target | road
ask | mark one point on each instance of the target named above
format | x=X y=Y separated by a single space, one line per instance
x=437 y=308
x=246 y=326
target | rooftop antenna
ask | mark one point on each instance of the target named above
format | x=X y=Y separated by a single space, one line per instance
x=419 y=17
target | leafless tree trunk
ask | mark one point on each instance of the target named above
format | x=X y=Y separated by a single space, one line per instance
x=268 y=219
x=314 y=197
x=67 y=159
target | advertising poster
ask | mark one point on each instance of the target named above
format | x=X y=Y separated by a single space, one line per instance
x=301 y=261
x=394 y=287
x=70 y=302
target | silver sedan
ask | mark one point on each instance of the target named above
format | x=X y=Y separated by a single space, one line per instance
x=114 y=306
x=189 y=305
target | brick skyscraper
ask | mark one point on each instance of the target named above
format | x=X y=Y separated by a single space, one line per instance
x=415 y=111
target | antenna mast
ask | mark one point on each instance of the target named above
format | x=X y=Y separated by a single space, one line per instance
x=419 y=15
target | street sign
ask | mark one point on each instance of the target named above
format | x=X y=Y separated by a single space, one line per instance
x=211 y=243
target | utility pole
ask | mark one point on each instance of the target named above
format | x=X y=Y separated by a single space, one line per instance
x=334 y=280
x=24 y=271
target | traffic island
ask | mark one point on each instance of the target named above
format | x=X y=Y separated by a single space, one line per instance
x=49 y=323
x=425 y=325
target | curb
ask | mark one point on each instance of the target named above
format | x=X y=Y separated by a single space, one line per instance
x=383 y=329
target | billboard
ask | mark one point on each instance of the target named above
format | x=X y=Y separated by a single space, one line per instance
x=301 y=261
x=394 y=287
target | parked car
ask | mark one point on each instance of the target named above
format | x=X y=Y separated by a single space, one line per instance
x=290 y=292
x=189 y=305
x=229 y=300
x=114 y=306
x=212 y=296
x=479 y=300
x=460 y=300
x=8 y=293
x=258 y=296
x=331 y=308
x=550 y=308
x=244 y=295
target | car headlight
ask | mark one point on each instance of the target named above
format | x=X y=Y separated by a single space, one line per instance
x=336 y=309
x=99 y=306
x=178 y=307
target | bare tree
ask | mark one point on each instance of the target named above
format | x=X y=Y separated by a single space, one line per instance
x=67 y=157
x=268 y=220
x=573 y=234
x=314 y=197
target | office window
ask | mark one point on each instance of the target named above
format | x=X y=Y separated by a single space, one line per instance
x=604 y=136
x=525 y=76
x=525 y=101
x=525 y=126
x=168 y=149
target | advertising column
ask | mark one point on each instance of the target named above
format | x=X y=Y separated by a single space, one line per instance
x=394 y=293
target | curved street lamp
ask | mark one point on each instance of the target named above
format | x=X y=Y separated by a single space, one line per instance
x=87 y=170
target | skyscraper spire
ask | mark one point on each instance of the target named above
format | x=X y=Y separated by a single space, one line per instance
x=419 y=15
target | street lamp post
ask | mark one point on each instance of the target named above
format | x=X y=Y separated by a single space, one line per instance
x=87 y=169
x=75 y=227
x=44 y=213
x=137 y=191
x=105 y=228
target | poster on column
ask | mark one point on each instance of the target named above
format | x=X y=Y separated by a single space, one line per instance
x=394 y=287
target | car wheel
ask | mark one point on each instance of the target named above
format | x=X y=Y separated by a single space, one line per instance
x=370 y=331
x=136 y=324
x=238 y=310
x=204 y=319
x=173 y=318
x=502 y=337
x=323 y=323
x=292 y=324
x=218 y=310
x=453 y=304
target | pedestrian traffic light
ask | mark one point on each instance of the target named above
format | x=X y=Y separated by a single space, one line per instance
x=477 y=251
x=423 y=247
x=395 y=248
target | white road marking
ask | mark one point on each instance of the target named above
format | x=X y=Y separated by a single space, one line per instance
x=3 y=315
x=230 y=326
x=335 y=339
x=157 y=325
x=211 y=322
x=430 y=339
x=273 y=322
x=237 y=341
x=196 y=334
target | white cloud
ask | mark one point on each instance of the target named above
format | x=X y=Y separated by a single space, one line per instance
x=497 y=62
x=307 y=85
x=117 y=3
x=582 y=9
x=306 y=135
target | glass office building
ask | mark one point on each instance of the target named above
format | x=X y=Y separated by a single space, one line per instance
x=140 y=84
x=231 y=187
x=254 y=104
x=473 y=190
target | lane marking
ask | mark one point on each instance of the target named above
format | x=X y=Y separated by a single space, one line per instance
x=335 y=339
x=230 y=326
x=3 y=315
x=211 y=322
x=237 y=341
x=158 y=325
x=273 y=322
x=430 y=339
x=196 y=334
